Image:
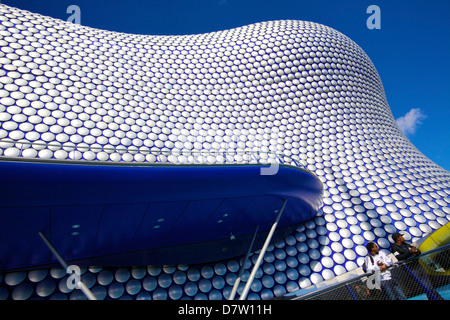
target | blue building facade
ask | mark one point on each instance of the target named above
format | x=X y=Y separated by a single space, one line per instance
x=289 y=94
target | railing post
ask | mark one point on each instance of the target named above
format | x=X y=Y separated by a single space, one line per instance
x=242 y=268
x=351 y=292
x=428 y=292
x=80 y=285
x=261 y=254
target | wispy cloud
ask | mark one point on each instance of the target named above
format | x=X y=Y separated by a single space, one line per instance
x=410 y=121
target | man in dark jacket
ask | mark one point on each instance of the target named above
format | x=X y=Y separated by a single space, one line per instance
x=401 y=249
x=404 y=251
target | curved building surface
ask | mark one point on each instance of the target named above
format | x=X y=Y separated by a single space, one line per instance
x=291 y=92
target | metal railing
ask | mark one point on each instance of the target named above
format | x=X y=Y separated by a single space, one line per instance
x=426 y=277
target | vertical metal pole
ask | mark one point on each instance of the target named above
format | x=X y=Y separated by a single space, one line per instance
x=241 y=271
x=53 y=250
x=80 y=285
x=261 y=254
x=427 y=290
x=351 y=292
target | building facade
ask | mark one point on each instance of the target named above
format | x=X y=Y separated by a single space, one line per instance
x=294 y=92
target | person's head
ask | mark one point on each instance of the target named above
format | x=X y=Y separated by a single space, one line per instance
x=372 y=248
x=398 y=237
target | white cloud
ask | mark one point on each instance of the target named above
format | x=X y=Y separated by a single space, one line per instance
x=409 y=122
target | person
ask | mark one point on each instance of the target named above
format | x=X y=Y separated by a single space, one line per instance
x=401 y=249
x=404 y=251
x=378 y=262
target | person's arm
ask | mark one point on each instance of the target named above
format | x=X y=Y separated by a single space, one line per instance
x=387 y=261
x=371 y=267
x=415 y=251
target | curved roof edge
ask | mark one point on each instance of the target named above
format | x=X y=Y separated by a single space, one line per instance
x=113 y=214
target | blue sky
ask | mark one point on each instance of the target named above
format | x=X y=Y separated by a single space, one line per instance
x=410 y=51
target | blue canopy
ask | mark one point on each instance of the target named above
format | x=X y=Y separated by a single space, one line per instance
x=128 y=214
